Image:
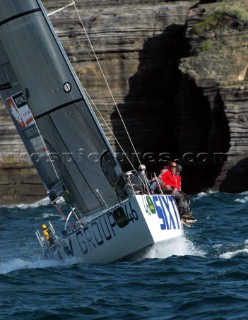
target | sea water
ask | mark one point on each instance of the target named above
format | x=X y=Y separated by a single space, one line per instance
x=203 y=275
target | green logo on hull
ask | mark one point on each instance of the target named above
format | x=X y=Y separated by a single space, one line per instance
x=149 y=205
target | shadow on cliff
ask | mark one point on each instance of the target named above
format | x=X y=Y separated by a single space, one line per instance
x=148 y=109
x=202 y=134
x=237 y=173
x=168 y=116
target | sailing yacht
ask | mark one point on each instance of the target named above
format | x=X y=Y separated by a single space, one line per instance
x=112 y=216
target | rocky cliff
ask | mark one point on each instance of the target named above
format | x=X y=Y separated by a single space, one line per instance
x=178 y=78
x=215 y=69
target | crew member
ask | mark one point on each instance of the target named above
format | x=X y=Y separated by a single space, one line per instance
x=170 y=182
x=47 y=234
x=143 y=178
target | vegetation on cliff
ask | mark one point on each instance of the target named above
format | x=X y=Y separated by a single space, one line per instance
x=218 y=43
x=223 y=18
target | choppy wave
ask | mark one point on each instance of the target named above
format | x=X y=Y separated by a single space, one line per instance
x=242 y=197
x=231 y=254
x=202 y=194
x=200 y=276
x=19 y=264
x=37 y=204
x=235 y=250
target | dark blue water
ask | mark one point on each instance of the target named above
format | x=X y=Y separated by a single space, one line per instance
x=204 y=275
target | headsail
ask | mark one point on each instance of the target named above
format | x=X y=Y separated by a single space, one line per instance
x=50 y=111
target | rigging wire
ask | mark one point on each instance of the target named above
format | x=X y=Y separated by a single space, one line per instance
x=51 y=13
x=105 y=203
x=108 y=127
x=106 y=82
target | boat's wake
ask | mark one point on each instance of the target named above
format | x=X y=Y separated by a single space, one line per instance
x=176 y=247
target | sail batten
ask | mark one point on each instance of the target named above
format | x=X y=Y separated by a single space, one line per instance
x=51 y=112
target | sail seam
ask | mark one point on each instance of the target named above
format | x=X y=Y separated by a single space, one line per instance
x=18 y=16
x=57 y=108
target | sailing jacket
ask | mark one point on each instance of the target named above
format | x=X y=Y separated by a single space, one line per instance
x=169 y=179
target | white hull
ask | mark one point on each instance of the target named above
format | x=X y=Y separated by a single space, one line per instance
x=142 y=221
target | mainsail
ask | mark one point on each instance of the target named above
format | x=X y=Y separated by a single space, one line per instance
x=50 y=111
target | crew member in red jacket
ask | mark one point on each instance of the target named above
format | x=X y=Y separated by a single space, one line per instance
x=170 y=180
x=170 y=183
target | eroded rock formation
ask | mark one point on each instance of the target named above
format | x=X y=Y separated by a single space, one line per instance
x=217 y=37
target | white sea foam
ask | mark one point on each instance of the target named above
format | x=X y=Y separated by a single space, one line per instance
x=19 y=264
x=201 y=195
x=231 y=254
x=242 y=197
x=178 y=247
x=42 y=202
x=45 y=215
x=244 y=193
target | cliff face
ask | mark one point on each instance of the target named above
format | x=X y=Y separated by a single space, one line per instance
x=216 y=66
x=178 y=96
